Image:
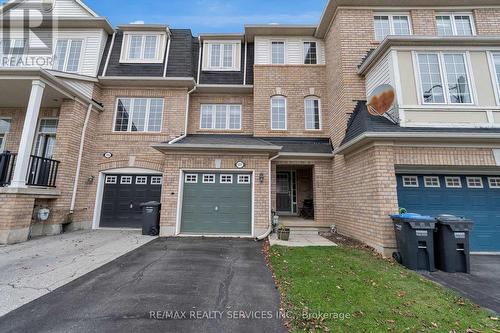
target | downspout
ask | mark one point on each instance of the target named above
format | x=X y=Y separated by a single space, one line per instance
x=270 y=229
x=167 y=55
x=79 y=163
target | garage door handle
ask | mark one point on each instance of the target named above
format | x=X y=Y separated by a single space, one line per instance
x=216 y=208
x=131 y=205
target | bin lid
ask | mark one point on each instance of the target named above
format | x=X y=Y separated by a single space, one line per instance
x=414 y=217
x=456 y=222
x=150 y=204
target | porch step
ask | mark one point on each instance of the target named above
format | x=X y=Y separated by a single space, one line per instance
x=306 y=230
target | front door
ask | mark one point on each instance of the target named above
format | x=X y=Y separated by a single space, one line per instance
x=283 y=192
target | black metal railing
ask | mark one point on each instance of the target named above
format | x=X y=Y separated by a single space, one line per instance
x=7 y=161
x=42 y=172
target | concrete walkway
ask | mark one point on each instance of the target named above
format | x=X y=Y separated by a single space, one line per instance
x=35 y=268
x=301 y=240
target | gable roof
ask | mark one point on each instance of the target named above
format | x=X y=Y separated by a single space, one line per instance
x=62 y=6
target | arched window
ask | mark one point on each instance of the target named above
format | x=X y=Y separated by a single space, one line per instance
x=278 y=113
x=312 y=109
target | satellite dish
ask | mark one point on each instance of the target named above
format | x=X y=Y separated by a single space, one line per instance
x=381 y=100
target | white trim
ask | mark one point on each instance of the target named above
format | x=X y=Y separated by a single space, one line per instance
x=154 y=180
x=411 y=179
x=111 y=45
x=286 y=112
x=67 y=52
x=167 y=56
x=142 y=178
x=247 y=179
x=159 y=52
x=473 y=179
x=229 y=179
x=496 y=180
x=245 y=64
x=236 y=55
x=110 y=180
x=426 y=178
x=131 y=112
x=284 y=41
x=391 y=15
x=193 y=178
x=453 y=23
x=494 y=77
x=126 y=180
x=303 y=41
x=448 y=185
x=313 y=97
x=210 y=180
x=213 y=112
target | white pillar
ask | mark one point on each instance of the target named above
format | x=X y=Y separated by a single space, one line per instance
x=28 y=135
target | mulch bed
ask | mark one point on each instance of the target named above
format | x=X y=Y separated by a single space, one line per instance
x=349 y=242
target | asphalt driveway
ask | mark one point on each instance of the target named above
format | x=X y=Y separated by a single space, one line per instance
x=482 y=286
x=167 y=285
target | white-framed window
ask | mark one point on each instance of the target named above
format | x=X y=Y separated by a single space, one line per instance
x=126 y=180
x=495 y=59
x=310 y=53
x=391 y=24
x=244 y=179
x=220 y=116
x=278 y=113
x=226 y=179
x=156 y=180
x=5 y=124
x=453 y=182
x=11 y=52
x=46 y=137
x=475 y=182
x=494 y=182
x=455 y=24
x=431 y=181
x=139 y=115
x=277 y=52
x=222 y=56
x=110 y=180
x=208 y=179
x=191 y=178
x=444 y=78
x=143 y=47
x=141 y=180
x=312 y=109
x=410 y=181
x=68 y=54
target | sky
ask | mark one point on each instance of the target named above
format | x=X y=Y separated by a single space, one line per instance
x=210 y=15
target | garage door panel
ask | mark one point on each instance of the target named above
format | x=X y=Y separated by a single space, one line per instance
x=216 y=208
x=479 y=204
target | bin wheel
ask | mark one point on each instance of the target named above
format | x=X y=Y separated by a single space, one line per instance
x=397 y=256
x=153 y=232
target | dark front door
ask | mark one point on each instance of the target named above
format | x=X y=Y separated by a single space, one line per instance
x=283 y=192
x=122 y=198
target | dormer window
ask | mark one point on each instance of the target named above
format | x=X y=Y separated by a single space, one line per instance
x=455 y=24
x=391 y=24
x=143 y=47
x=222 y=56
x=68 y=54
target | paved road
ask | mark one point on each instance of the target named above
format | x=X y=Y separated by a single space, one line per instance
x=168 y=285
x=482 y=286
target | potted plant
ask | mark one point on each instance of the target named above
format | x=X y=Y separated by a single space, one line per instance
x=283 y=233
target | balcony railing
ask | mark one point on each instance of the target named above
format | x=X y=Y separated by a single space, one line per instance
x=7 y=161
x=42 y=172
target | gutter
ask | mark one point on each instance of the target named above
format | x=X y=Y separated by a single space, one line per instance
x=80 y=156
x=214 y=146
x=270 y=229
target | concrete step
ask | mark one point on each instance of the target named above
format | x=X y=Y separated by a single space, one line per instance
x=306 y=230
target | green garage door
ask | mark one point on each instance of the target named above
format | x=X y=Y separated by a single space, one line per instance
x=217 y=203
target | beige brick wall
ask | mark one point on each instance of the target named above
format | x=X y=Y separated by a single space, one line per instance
x=444 y=156
x=175 y=162
x=246 y=102
x=295 y=83
x=424 y=22
x=16 y=211
x=487 y=21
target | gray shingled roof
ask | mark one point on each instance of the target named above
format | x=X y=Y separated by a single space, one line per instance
x=361 y=122
x=302 y=145
x=217 y=139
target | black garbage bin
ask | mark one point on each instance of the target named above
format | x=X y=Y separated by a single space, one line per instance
x=151 y=218
x=415 y=239
x=452 y=244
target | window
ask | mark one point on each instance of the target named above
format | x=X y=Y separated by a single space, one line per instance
x=220 y=116
x=312 y=113
x=226 y=179
x=496 y=65
x=156 y=180
x=4 y=129
x=310 y=53
x=454 y=25
x=222 y=56
x=141 y=180
x=46 y=137
x=431 y=181
x=278 y=113
x=449 y=70
x=277 y=53
x=243 y=179
x=494 y=182
x=191 y=178
x=209 y=179
x=139 y=115
x=126 y=180
x=67 y=55
x=142 y=48
x=391 y=25
x=474 y=182
x=111 y=180
x=410 y=181
x=11 y=51
x=453 y=182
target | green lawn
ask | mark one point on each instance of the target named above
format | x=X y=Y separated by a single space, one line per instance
x=377 y=295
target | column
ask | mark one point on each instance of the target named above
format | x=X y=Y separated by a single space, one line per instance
x=28 y=135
